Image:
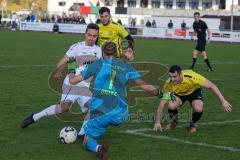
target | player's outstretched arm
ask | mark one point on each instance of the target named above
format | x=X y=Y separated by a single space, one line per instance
x=159 y=114
x=75 y=79
x=129 y=50
x=60 y=67
x=147 y=87
x=226 y=105
x=166 y=97
x=62 y=61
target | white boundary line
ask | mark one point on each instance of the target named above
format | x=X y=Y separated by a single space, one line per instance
x=139 y=132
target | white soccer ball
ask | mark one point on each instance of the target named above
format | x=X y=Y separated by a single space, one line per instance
x=68 y=135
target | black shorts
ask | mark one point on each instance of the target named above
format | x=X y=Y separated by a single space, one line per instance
x=196 y=95
x=201 y=45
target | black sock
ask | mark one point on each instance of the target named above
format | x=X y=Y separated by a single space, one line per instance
x=208 y=63
x=196 y=116
x=173 y=115
x=193 y=62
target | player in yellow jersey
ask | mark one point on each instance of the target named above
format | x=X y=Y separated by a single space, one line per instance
x=186 y=86
x=111 y=31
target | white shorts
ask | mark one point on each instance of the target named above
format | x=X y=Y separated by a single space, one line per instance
x=79 y=93
x=81 y=100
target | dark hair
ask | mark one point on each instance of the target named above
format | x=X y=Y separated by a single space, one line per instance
x=92 y=26
x=196 y=13
x=109 y=48
x=104 y=9
x=175 y=68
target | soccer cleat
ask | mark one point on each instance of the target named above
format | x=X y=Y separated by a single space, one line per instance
x=102 y=151
x=193 y=128
x=171 y=125
x=27 y=121
x=80 y=136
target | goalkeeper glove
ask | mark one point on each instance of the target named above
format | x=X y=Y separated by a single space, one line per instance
x=159 y=94
x=72 y=65
x=169 y=96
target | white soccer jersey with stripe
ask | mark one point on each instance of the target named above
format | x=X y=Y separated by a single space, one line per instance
x=84 y=54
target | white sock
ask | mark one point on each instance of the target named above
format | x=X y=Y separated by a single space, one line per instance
x=82 y=132
x=97 y=147
x=51 y=110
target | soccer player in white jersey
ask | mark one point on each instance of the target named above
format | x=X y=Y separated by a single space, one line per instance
x=84 y=52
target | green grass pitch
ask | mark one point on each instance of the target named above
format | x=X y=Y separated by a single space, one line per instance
x=27 y=59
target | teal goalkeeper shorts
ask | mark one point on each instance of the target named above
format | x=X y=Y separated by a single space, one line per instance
x=96 y=127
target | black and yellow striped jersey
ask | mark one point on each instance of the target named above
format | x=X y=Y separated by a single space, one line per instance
x=112 y=32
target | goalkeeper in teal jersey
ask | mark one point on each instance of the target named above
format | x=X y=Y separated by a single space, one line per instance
x=108 y=105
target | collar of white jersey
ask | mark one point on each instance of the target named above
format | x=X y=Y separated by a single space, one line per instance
x=85 y=44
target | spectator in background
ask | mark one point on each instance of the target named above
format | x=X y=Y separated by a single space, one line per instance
x=98 y=4
x=20 y=18
x=0 y=19
x=119 y=21
x=148 y=24
x=132 y=22
x=32 y=18
x=52 y=18
x=28 y=18
x=82 y=20
x=154 y=25
x=55 y=18
x=98 y=21
x=170 y=24
x=107 y=3
x=183 y=25
x=14 y=21
x=55 y=28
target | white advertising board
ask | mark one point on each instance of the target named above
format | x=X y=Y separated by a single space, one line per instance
x=48 y=27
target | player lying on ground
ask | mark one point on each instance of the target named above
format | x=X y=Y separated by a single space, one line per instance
x=186 y=86
x=108 y=105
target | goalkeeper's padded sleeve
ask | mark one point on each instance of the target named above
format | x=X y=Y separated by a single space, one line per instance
x=130 y=41
x=72 y=65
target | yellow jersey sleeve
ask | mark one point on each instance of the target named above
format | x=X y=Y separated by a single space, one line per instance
x=167 y=87
x=122 y=31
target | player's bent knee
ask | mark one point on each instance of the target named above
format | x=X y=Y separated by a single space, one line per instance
x=66 y=106
x=195 y=54
x=197 y=106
